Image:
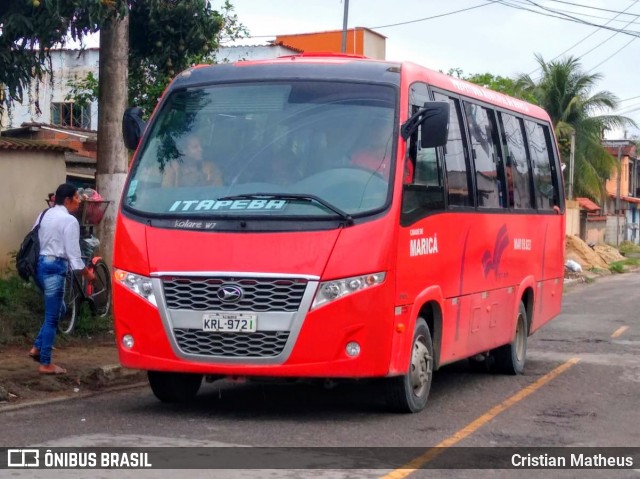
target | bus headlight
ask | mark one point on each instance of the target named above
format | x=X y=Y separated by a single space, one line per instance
x=338 y=288
x=141 y=285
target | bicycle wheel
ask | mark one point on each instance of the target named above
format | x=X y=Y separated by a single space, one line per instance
x=101 y=289
x=71 y=301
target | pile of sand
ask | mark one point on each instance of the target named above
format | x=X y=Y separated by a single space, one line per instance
x=608 y=253
x=579 y=251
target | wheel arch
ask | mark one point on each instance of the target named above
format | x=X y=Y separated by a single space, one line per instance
x=431 y=312
x=525 y=295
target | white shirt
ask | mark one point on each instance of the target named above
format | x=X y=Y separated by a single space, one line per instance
x=59 y=235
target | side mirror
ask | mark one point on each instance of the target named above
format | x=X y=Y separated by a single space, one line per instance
x=132 y=127
x=434 y=118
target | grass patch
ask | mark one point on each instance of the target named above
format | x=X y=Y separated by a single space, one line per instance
x=21 y=308
x=88 y=325
x=627 y=247
x=621 y=266
x=22 y=312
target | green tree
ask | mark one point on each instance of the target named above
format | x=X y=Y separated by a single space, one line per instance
x=168 y=37
x=165 y=37
x=565 y=92
x=505 y=85
x=29 y=29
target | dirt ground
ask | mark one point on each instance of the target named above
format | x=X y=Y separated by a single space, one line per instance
x=83 y=358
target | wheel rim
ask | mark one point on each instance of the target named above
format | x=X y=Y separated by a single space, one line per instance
x=420 y=367
x=67 y=319
x=102 y=295
x=520 y=338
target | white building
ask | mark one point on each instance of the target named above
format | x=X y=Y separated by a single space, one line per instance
x=55 y=109
x=252 y=52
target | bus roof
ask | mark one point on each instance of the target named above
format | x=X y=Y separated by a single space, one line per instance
x=333 y=66
x=465 y=88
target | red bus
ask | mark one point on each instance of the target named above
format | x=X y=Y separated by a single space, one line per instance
x=338 y=217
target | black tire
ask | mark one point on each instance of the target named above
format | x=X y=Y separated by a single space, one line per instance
x=72 y=302
x=510 y=358
x=101 y=289
x=409 y=393
x=174 y=387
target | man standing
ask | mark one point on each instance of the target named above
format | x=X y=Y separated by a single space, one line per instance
x=59 y=237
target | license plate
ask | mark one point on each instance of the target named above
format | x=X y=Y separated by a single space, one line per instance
x=230 y=322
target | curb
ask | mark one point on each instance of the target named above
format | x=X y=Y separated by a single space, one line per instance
x=103 y=379
x=103 y=376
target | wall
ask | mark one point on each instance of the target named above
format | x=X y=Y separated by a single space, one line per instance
x=633 y=230
x=27 y=177
x=360 y=41
x=65 y=64
x=374 y=45
x=615 y=223
x=572 y=218
x=596 y=230
x=251 y=52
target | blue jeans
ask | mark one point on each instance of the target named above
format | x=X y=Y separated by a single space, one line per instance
x=51 y=277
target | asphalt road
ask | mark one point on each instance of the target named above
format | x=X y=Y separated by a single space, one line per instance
x=581 y=388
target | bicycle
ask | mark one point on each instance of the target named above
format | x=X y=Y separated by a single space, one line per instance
x=77 y=289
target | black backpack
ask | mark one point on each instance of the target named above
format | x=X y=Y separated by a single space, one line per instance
x=27 y=257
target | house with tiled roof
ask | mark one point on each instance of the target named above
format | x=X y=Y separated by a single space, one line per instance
x=82 y=148
x=622 y=202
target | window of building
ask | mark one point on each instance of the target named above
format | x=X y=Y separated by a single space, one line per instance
x=516 y=164
x=70 y=114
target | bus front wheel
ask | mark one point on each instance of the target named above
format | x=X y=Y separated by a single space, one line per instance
x=510 y=358
x=174 y=387
x=409 y=393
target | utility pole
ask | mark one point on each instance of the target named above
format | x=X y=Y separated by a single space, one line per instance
x=572 y=156
x=344 y=26
x=618 y=195
x=112 y=164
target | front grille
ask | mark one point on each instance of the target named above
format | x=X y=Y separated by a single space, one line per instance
x=259 y=344
x=259 y=294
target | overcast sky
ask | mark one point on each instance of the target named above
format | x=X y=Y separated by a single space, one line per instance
x=492 y=37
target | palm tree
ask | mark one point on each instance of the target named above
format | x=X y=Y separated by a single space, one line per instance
x=564 y=91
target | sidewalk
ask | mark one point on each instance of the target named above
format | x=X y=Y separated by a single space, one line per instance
x=92 y=365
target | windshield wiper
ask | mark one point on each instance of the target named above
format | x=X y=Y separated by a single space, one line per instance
x=348 y=219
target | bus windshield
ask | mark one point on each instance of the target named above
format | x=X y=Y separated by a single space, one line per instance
x=264 y=148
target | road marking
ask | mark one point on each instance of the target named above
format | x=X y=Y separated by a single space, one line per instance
x=618 y=332
x=476 y=424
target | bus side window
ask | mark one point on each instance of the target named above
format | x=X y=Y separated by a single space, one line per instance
x=485 y=152
x=455 y=157
x=545 y=188
x=517 y=167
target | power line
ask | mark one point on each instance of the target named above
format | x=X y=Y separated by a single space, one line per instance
x=590 y=35
x=431 y=18
x=566 y=17
x=602 y=43
x=408 y=21
x=627 y=99
x=595 y=8
x=613 y=54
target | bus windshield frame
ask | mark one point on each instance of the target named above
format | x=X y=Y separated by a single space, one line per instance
x=259 y=149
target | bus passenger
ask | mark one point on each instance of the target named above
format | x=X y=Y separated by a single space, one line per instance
x=375 y=151
x=191 y=169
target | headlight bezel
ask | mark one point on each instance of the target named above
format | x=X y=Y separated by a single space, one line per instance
x=138 y=284
x=335 y=289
